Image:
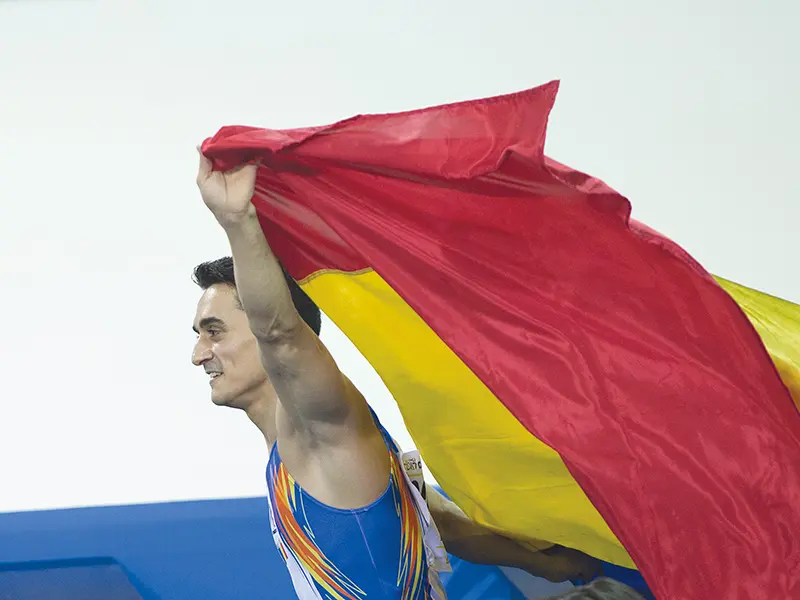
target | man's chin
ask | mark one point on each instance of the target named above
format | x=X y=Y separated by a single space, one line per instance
x=221 y=400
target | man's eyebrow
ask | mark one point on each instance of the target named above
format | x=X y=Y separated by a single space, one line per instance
x=208 y=322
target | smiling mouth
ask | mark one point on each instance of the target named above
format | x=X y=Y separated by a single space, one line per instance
x=213 y=376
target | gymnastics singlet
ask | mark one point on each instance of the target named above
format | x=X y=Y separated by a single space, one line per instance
x=389 y=549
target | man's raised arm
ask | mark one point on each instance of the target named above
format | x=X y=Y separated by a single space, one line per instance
x=310 y=386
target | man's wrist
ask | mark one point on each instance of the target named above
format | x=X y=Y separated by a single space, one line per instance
x=237 y=223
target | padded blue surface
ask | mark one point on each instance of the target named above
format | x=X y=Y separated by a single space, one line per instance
x=220 y=550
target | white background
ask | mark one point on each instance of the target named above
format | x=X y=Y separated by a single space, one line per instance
x=688 y=108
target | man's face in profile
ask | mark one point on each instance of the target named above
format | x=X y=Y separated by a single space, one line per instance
x=227 y=349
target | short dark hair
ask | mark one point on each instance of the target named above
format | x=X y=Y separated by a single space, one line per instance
x=600 y=589
x=221 y=271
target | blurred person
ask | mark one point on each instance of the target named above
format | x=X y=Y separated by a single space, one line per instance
x=345 y=515
x=600 y=589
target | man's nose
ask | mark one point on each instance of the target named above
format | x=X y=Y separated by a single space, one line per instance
x=201 y=354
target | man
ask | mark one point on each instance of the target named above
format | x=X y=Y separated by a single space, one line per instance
x=346 y=518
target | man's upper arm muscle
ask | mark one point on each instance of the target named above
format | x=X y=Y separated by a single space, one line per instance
x=315 y=394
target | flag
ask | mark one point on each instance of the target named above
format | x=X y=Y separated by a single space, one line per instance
x=567 y=374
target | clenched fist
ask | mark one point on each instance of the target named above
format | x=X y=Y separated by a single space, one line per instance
x=227 y=194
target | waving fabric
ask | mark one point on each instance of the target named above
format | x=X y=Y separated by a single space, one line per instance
x=569 y=375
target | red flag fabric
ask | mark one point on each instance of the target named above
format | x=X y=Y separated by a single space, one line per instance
x=606 y=341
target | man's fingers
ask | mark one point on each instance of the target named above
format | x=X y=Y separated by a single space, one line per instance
x=204 y=169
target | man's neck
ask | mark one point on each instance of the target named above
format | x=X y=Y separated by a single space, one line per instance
x=262 y=413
